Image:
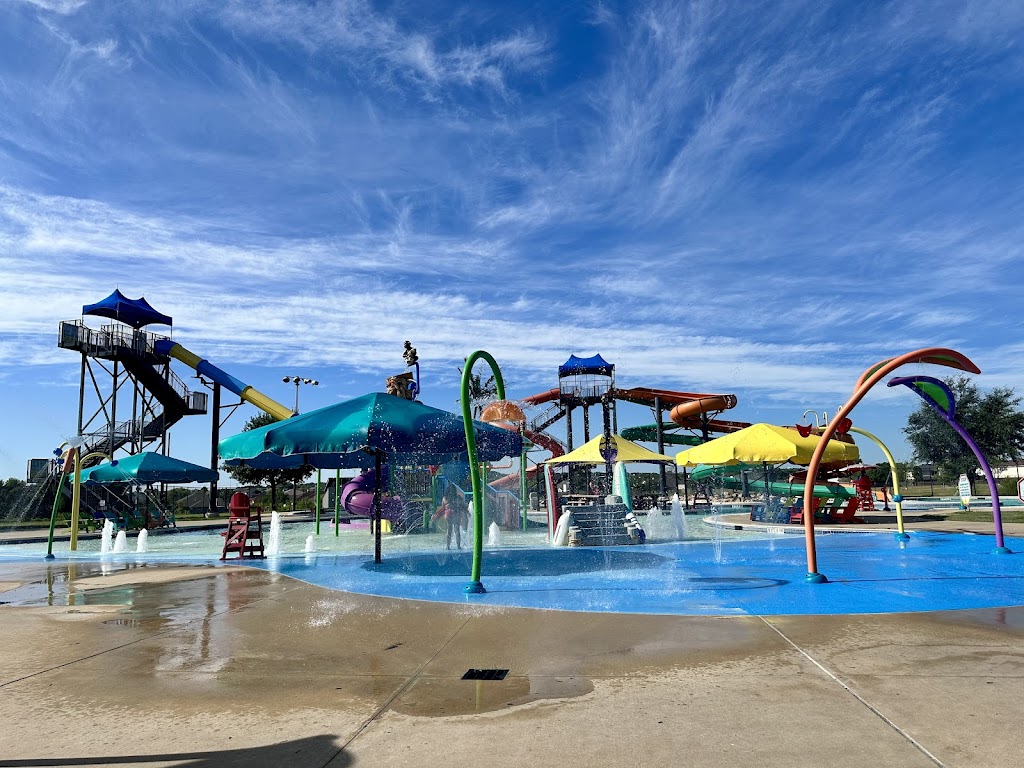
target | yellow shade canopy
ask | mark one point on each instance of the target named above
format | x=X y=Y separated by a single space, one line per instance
x=765 y=443
x=626 y=451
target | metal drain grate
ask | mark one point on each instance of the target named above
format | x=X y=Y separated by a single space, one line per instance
x=485 y=674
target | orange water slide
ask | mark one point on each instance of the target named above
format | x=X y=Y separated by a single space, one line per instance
x=687 y=407
x=541 y=397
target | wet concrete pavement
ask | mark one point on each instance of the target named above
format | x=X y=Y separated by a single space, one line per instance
x=228 y=666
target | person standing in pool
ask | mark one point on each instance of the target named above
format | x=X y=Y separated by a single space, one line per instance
x=453 y=520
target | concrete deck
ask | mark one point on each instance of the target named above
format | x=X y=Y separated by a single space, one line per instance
x=231 y=666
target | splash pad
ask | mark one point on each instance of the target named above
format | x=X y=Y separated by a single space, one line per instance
x=715 y=572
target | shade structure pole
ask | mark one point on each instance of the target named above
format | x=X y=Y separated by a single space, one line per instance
x=475 y=586
x=660 y=434
x=316 y=516
x=337 y=499
x=377 y=508
x=609 y=459
x=214 y=441
x=524 y=502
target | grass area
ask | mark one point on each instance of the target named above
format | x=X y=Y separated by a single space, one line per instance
x=925 y=491
x=24 y=525
x=44 y=523
x=1015 y=515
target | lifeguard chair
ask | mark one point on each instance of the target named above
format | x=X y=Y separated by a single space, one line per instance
x=865 y=495
x=244 y=535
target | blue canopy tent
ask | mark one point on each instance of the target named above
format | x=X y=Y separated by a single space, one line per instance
x=582 y=366
x=133 y=312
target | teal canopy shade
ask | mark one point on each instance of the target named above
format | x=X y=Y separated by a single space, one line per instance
x=147 y=468
x=348 y=434
x=133 y=312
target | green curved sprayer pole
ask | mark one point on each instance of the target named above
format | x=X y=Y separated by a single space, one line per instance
x=475 y=586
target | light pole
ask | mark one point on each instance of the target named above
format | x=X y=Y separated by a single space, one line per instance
x=298 y=380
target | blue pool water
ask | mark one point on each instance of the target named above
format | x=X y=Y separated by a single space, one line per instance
x=867 y=572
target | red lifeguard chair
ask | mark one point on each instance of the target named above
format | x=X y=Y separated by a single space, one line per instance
x=244 y=535
x=865 y=496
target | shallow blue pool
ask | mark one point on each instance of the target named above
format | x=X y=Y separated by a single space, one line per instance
x=867 y=572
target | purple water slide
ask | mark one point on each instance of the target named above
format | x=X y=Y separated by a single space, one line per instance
x=357 y=497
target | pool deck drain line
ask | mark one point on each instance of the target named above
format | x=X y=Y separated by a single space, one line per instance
x=874 y=710
x=408 y=683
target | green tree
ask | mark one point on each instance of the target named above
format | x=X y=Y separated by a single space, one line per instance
x=481 y=392
x=271 y=477
x=992 y=419
x=881 y=475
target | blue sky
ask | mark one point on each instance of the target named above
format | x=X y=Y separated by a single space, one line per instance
x=752 y=198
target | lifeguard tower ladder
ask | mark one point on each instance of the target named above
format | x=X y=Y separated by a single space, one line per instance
x=244 y=536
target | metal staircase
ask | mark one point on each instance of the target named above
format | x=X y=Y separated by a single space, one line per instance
x=160 y=397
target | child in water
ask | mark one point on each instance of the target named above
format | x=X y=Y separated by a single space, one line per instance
x=453 y=519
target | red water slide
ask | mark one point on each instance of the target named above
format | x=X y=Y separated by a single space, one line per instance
x=543 y=439
x=542 y=397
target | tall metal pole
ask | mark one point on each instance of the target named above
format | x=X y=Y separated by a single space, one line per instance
x=317 y=502
x=663 y=482
x=337 y=500
x=113 y=408
x=524 y=502
x=81 y=396
x=609 y=464
x=377 y=513
x=214 y=442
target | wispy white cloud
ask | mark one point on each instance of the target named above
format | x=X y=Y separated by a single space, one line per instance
x=383 y=47
x=56 y=6
x=717 y=196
